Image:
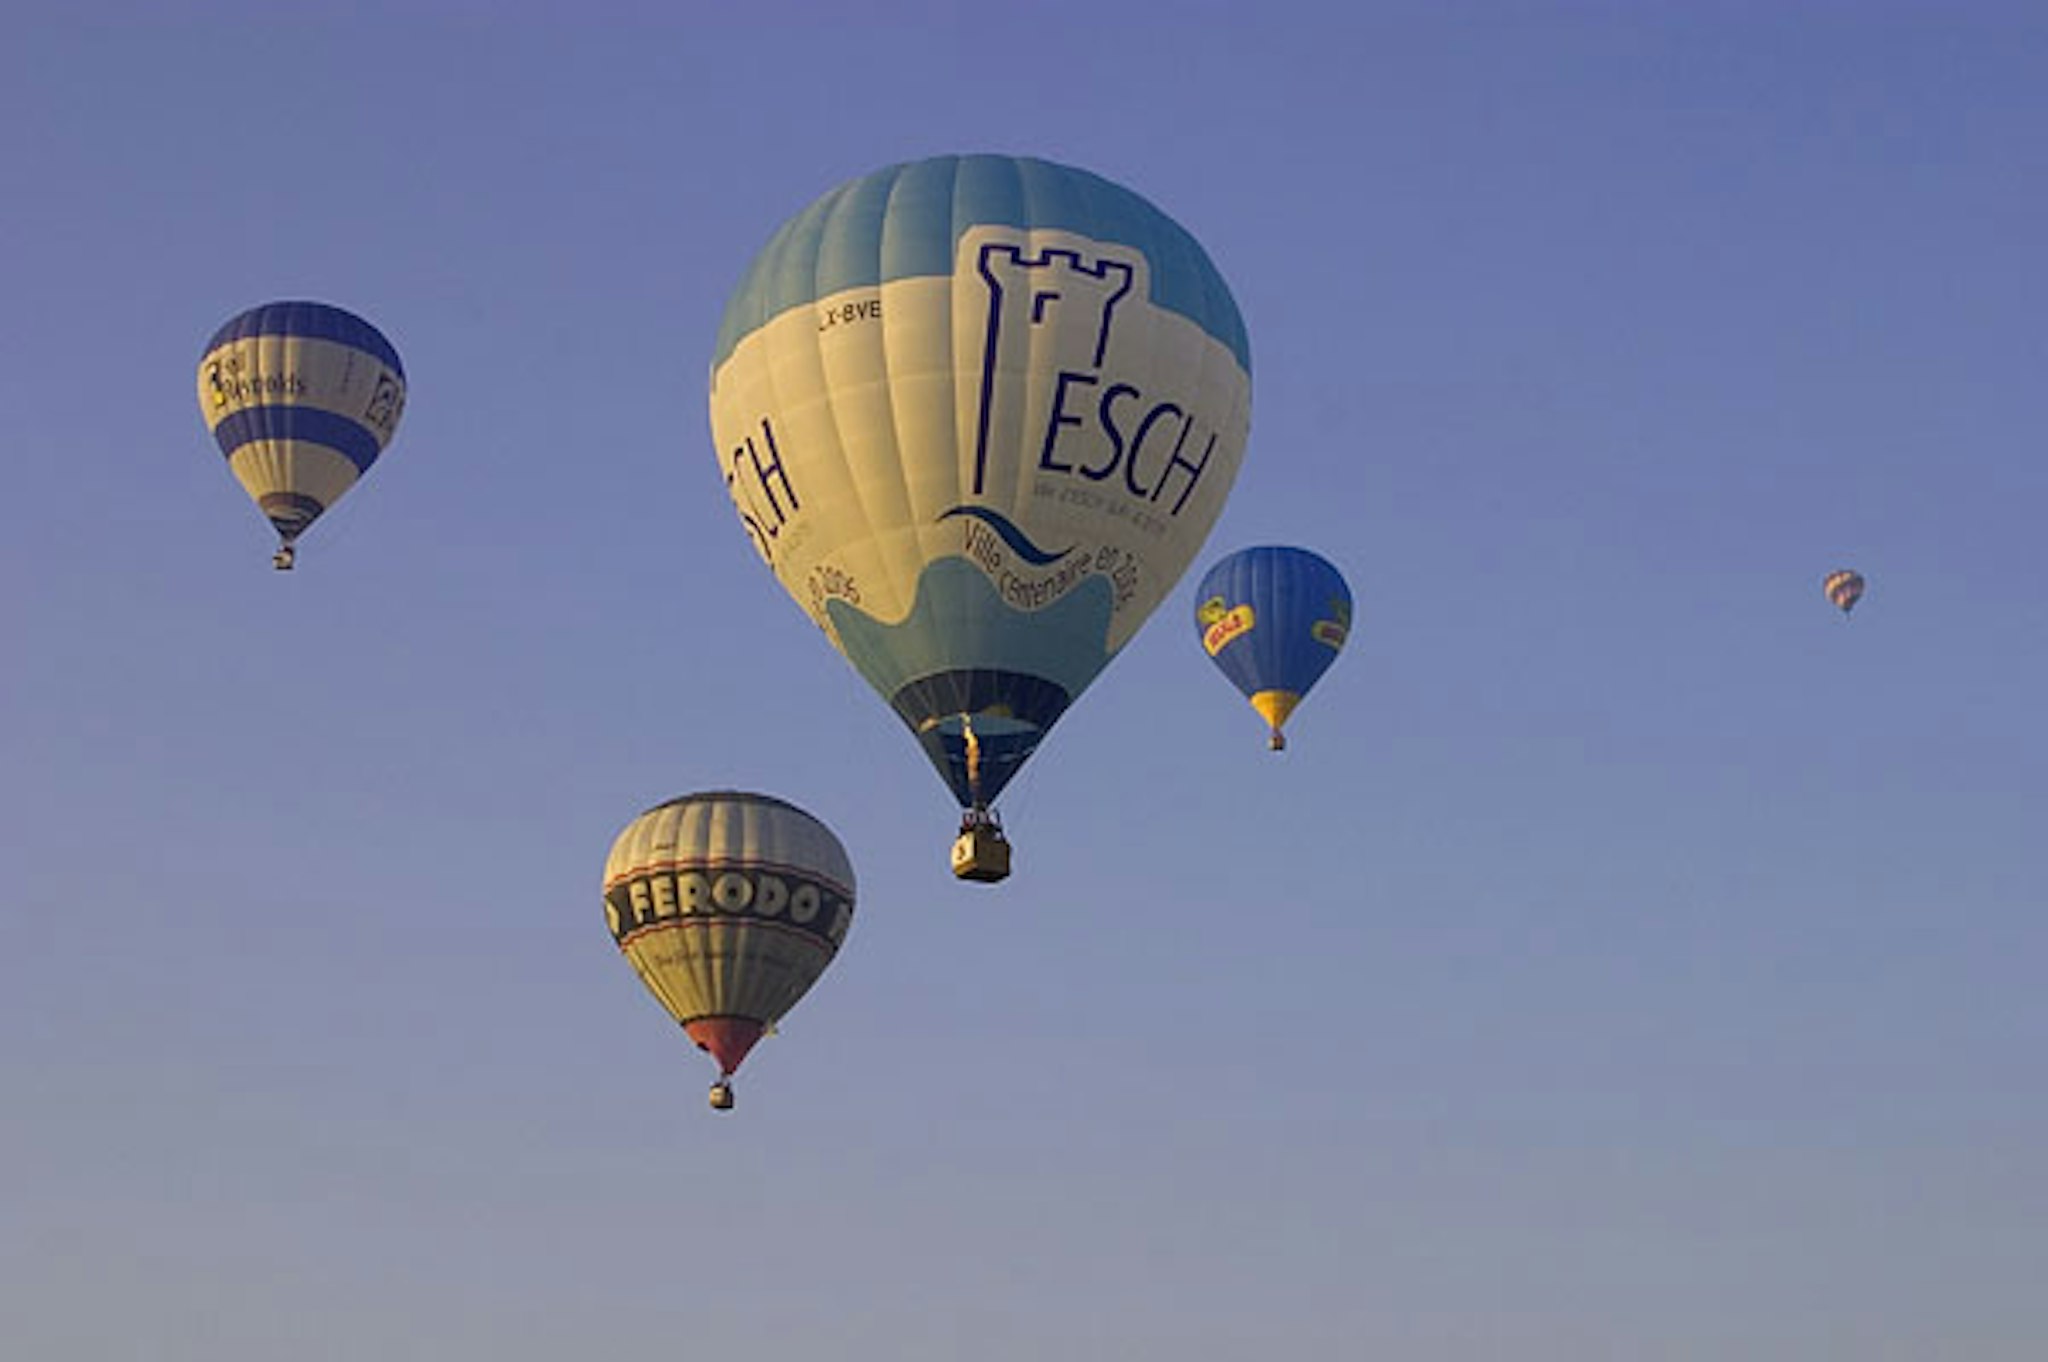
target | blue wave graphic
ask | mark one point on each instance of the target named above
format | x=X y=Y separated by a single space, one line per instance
x=1020 y=544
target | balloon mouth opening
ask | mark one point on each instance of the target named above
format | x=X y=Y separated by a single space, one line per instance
x=1275 y=706
x=725 y=1039
x=978 y=726
x=289 y=513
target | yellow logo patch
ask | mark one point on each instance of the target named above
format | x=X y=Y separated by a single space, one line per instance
x=1232 y=624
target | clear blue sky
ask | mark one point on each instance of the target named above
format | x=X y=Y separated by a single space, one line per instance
x=1631 y=958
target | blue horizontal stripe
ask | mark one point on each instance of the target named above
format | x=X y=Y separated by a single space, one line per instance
x=354 y=441
x=905 y=221
x=314 y=321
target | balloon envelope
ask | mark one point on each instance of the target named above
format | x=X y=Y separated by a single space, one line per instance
x=977 y=413
x=1273 y=619
x=729 y=906
x=1844 y=587
x=302 y=398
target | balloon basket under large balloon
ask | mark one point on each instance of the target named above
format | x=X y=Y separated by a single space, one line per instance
x=1276 y=741
x=721 y=1096
x=981 y=853
x=283 y=559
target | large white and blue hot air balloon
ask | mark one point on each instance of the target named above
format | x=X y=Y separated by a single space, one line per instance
x=978 y=413
x=301 y=397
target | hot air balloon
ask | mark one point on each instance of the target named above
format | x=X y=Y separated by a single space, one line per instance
x=302 y=398
x=729 y=906
x=1844 y=588
x=977 y=413
x=1273 y=619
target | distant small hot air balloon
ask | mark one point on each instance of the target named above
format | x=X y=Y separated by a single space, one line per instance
x=1273 y=620
x=977 y=413
x=301 y=397
x=729 y=906
x=1844 y=588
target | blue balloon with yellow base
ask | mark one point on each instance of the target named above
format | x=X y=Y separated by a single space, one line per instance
x=1273 y=619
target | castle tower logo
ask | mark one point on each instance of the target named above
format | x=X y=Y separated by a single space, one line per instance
x=1029 y=292
x=1091 y=421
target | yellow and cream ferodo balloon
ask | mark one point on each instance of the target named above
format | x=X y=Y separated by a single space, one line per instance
x=729 y=906
x=978 y=413
x=301 y=397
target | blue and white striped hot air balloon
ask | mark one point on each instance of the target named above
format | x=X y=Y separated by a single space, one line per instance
x=1273 y=619
x=302 y=398
x=977 y=413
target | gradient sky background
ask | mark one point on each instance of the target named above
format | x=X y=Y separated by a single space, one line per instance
x=1631 y=958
